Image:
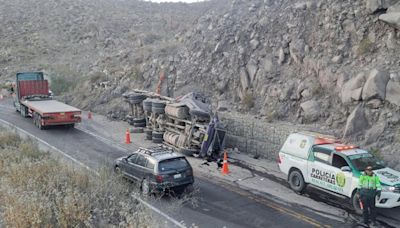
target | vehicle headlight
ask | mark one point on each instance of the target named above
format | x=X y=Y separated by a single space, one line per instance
x=388 y=188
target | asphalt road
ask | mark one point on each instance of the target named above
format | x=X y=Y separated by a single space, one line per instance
x=218 y=205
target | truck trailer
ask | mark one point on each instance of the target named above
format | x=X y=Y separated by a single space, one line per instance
x=34 y=100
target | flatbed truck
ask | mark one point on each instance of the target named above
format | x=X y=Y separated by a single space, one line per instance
x=34 y=100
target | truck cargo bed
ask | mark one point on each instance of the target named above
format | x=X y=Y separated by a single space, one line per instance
x=49 y=106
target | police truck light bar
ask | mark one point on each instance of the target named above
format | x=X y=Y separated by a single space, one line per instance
x=340 y=148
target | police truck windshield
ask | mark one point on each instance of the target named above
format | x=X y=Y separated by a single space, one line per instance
x=361 y=161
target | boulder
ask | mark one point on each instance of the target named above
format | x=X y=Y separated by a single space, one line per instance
x=393 y=19
x=311 y=110
x=352 y=89
x=244 y=79
x=374 y=133
x=296 y=49
x=252 y=69
x=374 y=5
x=375 y=87
x=266 y=64
x=374 y=104
x=356 y=122
x=337 y=59
x=254 y=44
x=281 y=56
x=394 y=8
x=393 y=92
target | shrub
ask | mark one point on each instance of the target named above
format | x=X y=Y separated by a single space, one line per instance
x=248 y=100
x=365 y=46
x=39 y=190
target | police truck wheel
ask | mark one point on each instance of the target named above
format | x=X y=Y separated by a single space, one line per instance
x=296 y=181
x=355 y=202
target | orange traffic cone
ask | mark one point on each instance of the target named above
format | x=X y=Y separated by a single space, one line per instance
x=89 y=115
x=127 y=137
x=225 y=169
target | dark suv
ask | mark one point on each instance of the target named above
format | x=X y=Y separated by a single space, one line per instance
x=157 y=169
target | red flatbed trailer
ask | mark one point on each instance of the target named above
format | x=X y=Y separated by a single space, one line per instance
x=33 y=101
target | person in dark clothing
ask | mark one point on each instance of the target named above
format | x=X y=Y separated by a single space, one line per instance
x=369 y=186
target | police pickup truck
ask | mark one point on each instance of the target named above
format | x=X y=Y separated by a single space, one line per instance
x=323 y=162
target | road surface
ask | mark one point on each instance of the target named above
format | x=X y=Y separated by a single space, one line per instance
x=219 y=205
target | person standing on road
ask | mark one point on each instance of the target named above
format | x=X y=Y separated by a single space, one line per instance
x=369 y=186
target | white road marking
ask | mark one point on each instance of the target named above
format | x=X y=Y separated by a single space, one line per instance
x=110 y=142
x=151 y=207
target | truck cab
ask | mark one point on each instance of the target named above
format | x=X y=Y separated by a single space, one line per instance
x=325 y=163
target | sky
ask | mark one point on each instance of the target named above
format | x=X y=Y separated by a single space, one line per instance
x=188 y=1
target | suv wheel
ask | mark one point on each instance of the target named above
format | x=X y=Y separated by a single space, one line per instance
x=296 y=181
x=355 y=202
x=145 y=187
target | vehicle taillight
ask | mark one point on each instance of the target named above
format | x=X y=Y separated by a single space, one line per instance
x=279 y=159
x=159 y=178
x=189 y=172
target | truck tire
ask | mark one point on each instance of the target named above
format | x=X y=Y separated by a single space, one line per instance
x=296 y=181
x=149 y=134
x=157 y=140
x=157 y=135
x=138 y=120
x=355 y=203
x=147 y=104
x=24 y=111
x=158 y=104
x=157 y=110
x=136 y=130
x=142 y=124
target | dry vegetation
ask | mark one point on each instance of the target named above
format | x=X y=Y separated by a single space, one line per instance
x=39 y=190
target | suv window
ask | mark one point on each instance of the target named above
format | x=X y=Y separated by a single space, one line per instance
x=338 y=161
x=132 y=158
x=321 y=155
x=141 y=160
x=150 y=164
x=173 y=164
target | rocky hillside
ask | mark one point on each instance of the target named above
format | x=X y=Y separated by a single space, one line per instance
x=70 y=39
x=334 y=63
x=331 y=63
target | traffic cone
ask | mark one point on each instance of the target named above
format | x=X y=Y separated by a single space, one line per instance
x=127 y=137
x=225 y=169
x=89 y=115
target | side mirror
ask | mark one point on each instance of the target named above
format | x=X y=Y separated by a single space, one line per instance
x=346 y=169
x=125 y=159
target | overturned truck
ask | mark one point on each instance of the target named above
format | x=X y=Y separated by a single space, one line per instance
x=184 y=123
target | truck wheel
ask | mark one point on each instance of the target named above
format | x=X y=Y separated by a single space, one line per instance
x=39 y=123
x=296 y=181
x=143 y=124
x=24 y=111
x=157 y=110
x=355 y=202
x=157 y=140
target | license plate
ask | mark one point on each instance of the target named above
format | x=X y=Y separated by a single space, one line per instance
x=176 y=176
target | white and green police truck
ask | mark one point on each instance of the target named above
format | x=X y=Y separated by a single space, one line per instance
x=323 y=162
